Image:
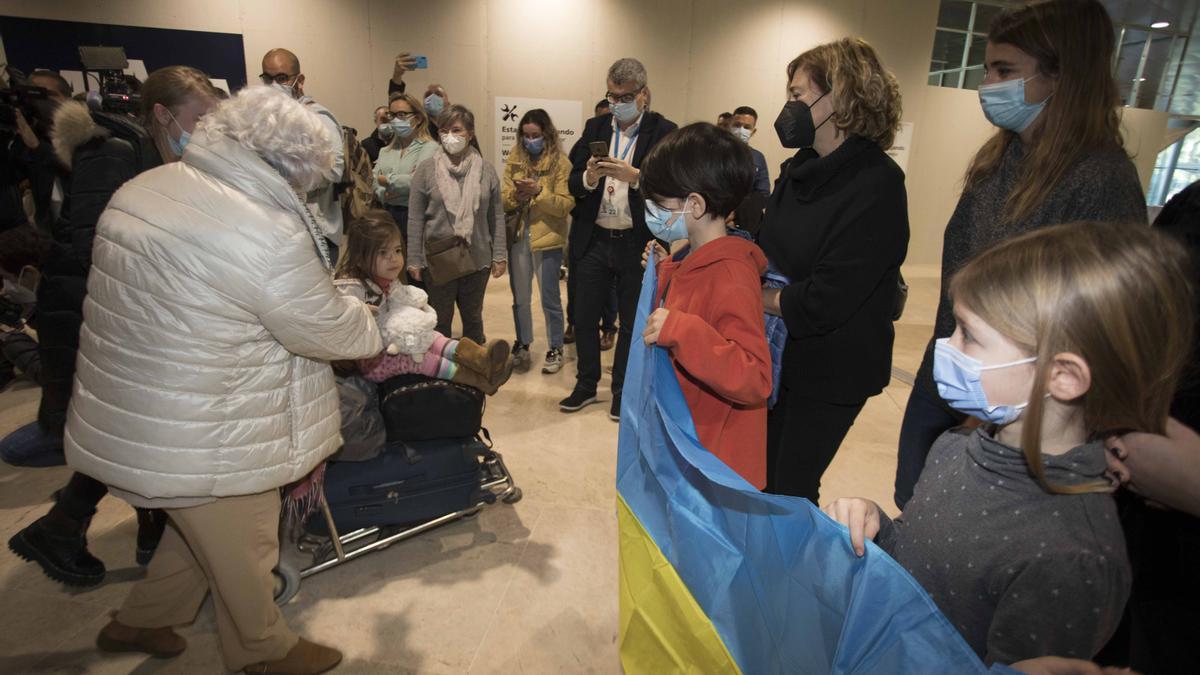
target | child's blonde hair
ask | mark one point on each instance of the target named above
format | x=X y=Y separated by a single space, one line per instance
x=364 y=237
x=1116 y=295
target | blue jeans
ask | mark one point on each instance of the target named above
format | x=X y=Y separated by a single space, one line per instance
x=523 y=266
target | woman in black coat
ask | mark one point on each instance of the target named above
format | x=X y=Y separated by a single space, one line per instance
x=837 y=227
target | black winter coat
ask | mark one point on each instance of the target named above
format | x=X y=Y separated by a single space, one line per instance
x=587 y=202
x=837 y=226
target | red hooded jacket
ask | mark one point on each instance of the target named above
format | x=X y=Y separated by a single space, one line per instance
x=715 y=334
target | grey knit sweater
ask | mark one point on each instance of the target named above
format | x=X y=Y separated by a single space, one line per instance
x=1102 y=186
x=428 y=218
x=1018 y=571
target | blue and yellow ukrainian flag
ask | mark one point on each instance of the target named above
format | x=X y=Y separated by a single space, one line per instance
x=717 y=577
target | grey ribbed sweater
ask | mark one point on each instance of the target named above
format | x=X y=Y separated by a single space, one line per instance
x=1102 y=186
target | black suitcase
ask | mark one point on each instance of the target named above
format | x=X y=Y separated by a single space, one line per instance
x=419 y=408
x=408 y=482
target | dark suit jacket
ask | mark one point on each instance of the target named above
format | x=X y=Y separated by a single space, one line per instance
x=587 y=202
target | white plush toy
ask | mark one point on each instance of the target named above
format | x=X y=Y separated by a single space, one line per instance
x=406 y=321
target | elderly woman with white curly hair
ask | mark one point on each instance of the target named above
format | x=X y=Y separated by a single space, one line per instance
x=203 y=383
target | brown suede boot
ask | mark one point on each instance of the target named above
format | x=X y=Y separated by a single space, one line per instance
x=490 y=360
x=306 y=658
x=162 y=643
x=467 y=376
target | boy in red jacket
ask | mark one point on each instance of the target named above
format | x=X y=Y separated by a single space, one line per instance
x=710 y=309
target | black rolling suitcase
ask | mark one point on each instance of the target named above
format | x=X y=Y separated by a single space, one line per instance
x=409 y=482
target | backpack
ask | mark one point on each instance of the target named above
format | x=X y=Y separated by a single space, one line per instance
x=355 y=190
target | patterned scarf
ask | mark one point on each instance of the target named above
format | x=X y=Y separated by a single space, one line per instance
x=461 y=199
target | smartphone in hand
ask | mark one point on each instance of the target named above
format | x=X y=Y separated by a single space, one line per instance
x=598 y=148
x=421 y=62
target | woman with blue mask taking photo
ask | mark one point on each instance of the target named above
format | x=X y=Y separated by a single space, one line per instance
x=537 y=202
x=1057 y=157
x=410 y=146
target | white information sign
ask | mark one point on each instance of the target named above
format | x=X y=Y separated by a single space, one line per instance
x=567 y=117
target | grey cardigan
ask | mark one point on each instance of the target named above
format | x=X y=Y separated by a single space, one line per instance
x=1020 y=572
x=429 y=220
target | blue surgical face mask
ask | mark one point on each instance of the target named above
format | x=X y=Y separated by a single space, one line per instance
x=657 y=221
x=434 y=105
x=385 y=131
x=626 y=112
x=402 y=127
x=742 y=133
x=958 y=381
x=534 y=146
x=177 y=146
x=1004 y=104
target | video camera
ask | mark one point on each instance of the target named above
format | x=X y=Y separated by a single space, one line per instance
x=115 y=94
x=33 y=102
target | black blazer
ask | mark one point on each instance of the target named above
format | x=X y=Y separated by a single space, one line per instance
x=587 y=202
x=837 y=226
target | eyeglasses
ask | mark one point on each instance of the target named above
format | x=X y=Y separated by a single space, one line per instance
x=278 y=78
x=623 y=98
x=402 y=115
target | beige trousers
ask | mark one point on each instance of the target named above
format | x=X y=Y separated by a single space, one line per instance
x=229 y=547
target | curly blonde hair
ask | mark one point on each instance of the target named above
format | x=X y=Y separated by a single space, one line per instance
x=866 y=97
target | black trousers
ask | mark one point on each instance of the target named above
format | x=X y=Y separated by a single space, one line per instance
x=925 y=418
x=466 y=292
x=611 y=255
x=803 y=435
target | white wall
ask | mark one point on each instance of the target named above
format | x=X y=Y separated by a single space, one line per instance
x=703 y=57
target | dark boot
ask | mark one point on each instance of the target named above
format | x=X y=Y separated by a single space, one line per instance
x=151 y=523
x=162 y=643
x=306 y=658
x=60 y=548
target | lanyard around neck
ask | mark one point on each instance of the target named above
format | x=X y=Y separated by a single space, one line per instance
x=617 y=141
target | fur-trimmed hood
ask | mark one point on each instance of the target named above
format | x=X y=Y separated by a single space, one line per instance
x=73 y=127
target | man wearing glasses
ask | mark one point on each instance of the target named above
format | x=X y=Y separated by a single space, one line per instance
x=608 y=232
x=281 y=70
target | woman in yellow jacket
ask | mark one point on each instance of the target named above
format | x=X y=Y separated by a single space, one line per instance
x=538 y=203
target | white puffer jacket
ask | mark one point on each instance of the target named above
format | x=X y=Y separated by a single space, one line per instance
x=208 y=324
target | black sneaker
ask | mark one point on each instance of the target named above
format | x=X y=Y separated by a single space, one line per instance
x=64 y=558
x=576 y=401
x=614 y=412
x=521 y=358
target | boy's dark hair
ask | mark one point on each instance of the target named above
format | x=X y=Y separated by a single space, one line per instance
x=701 y=158
x=745 y=110
x=364 y=237
x=24 y=245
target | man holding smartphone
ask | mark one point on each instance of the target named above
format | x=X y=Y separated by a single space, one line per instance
x=608 y=231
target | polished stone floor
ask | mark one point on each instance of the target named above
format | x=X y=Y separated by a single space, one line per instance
x=528 y=588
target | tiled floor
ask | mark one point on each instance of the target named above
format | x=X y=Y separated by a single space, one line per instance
x=527 y=588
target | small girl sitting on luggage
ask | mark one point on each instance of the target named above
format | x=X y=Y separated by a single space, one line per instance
x=1065 y=335
x=370 y=271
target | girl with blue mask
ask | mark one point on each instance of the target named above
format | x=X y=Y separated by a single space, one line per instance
x=1057 y=156
x=1065 y=336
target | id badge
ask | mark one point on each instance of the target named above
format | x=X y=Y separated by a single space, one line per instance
x=608 y=207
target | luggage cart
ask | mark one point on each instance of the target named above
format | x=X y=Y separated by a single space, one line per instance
x=496 y=483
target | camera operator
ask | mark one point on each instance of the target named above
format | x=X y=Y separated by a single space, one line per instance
x=26 y=108
x=172 y=101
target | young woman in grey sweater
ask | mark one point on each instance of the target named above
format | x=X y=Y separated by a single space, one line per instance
x=1065 y=336
x=1057 y=157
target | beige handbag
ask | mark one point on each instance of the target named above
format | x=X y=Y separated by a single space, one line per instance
x=448 y=259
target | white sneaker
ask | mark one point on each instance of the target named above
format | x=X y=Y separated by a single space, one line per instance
x=554 y=361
